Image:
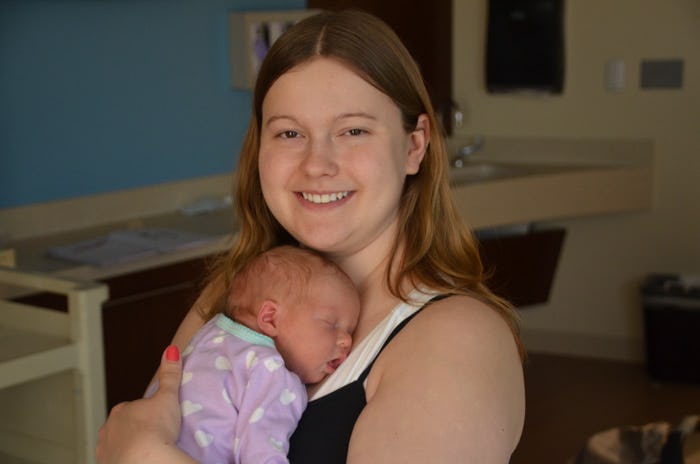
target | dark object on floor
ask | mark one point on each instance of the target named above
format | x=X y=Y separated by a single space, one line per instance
x=653 y=443
x=671 y=324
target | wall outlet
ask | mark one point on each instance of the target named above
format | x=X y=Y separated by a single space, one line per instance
x=615 y=75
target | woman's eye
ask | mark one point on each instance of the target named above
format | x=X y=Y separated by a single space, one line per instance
x=289 y=134
x=356 y=132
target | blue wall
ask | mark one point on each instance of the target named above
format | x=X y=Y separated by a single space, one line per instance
x=104 y=95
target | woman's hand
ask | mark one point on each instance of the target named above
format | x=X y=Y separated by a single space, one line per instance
x=146 y=430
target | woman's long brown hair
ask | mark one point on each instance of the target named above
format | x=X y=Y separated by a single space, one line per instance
x=439 y=251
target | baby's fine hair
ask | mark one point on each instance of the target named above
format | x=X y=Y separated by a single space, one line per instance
x=283 y=272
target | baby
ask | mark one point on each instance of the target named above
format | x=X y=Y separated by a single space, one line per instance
x=289 y=322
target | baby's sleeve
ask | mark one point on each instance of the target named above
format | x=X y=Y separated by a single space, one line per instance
x=270 y=410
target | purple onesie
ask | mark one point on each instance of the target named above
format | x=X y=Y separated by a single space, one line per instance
x=239 y=403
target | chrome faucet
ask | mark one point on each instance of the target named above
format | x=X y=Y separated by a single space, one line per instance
x=461 y=158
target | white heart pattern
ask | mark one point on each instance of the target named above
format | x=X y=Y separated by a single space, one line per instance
x=222 y=363
x=287 y=396
x=257 y=415
x=188 y=407
x=277 y=444
x=203 y=438
x=251 y=359
x=219 y=339
x=186 y=377
x=273 y=364
x=226 y=396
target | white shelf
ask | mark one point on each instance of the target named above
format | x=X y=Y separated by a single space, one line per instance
x=51 y=357
x=17 y=344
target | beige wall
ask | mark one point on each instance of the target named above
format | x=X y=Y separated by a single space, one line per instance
x=595 y=307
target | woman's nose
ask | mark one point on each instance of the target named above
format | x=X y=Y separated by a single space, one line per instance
x=320 y=158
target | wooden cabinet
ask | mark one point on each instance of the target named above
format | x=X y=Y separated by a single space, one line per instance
x=522 y=266
x=139 y=320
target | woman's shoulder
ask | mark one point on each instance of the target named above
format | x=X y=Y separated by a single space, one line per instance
x=462 y=318
x=458 y=358
x=457 y=328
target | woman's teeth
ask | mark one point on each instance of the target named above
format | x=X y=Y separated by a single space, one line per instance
x=324 y=198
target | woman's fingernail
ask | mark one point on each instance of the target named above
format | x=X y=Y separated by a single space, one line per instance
x=172 y=353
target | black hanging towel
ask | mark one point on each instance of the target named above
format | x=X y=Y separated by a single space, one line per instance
x=525 y=46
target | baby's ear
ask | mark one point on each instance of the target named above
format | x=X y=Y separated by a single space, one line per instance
x=267 y=318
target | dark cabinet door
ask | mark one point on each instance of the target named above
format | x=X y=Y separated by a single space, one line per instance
x=426 y=30
x=136 y=331
x=139 y=320
x=522 y=267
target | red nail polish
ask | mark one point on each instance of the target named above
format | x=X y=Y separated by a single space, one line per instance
x=172 y=353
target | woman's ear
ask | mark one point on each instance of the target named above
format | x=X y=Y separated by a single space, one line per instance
x=418 y=141
x=267 y=318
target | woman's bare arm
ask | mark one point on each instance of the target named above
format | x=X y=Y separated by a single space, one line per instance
x=449 y=388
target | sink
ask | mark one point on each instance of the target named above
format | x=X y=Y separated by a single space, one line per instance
x=482 y=171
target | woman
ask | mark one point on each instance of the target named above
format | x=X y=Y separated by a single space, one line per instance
x=343 y=155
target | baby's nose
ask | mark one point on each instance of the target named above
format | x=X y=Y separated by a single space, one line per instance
x=345 y=342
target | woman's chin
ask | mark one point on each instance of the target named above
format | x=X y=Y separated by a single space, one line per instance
x=322 y=241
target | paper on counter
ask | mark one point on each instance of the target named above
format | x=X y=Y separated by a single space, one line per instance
x=128 y=245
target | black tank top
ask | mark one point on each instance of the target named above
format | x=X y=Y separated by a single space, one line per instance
x=323 y=433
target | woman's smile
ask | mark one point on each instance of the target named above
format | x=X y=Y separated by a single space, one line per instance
x=324 y=198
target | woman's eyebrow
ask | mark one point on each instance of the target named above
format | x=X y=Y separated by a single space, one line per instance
x=359 y=114
x=274 y=118
x=354 y=114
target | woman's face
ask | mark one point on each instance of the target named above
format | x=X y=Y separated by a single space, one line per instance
x=334 y=157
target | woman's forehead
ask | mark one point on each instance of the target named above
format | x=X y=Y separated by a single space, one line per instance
x=324 y=86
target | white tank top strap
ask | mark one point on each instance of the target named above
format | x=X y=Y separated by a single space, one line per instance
x=364 y=352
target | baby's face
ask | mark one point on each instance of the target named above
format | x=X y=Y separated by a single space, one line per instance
x=316 y=337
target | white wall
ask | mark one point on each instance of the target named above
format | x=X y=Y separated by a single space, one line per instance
x=595 y=305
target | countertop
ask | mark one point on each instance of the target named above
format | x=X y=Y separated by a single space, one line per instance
x=32 y=252
x=563 y=179
x=559 y=179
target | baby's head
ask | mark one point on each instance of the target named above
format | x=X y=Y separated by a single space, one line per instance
x=301 y=300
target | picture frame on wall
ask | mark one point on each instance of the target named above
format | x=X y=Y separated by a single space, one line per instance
x=251 y=34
